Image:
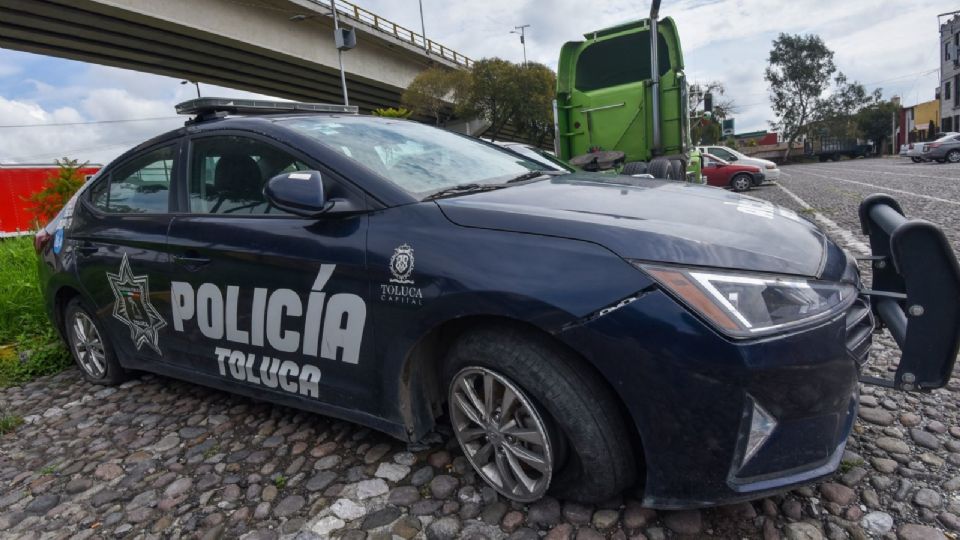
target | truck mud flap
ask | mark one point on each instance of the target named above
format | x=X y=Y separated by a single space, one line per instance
x=916 y=293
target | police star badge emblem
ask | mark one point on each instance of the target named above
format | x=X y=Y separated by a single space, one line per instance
x=132 y=306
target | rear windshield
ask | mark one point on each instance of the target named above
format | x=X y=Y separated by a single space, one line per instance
x=418 y=158
x=620 y=60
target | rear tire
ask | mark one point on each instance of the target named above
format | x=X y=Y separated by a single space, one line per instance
x=660 y=168
x=953 y=156
x=916 y=160
x=89 y=345
x=635 y=167
x=741 y=182
x=678 y=170
x=586 y=440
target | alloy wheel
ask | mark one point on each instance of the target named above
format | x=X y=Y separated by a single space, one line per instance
x=741 y=183
x=87 y=345
x=502 y=434
x=954 y=156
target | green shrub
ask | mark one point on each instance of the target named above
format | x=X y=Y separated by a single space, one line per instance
x=29 y=345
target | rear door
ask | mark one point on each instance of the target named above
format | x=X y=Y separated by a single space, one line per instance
x=264 y=301
x=118 y=241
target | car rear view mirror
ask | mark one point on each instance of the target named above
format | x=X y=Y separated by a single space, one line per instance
x=299 y=193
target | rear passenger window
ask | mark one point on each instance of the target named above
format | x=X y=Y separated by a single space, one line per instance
x=140 y=186
x=228 y=173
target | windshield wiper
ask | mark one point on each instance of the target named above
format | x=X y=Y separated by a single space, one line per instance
x=461 y=189
x=530 y=175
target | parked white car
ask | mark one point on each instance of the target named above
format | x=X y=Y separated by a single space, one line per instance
x=769 y=168
x=915 y=150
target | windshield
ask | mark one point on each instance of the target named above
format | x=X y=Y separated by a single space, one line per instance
x=420 y=159
x=541 y=157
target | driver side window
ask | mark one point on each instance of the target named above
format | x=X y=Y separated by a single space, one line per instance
x=723 y=154
x=228 y=174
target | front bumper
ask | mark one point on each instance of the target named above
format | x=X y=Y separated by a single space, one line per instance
x=772 y=174
x=758 y=178
x=690 y=391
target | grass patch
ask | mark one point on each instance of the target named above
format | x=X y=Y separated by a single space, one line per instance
x=9 y=422
x=280 y=481
x=29 y=345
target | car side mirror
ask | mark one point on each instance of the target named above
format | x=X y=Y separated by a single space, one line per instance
x=733 y=158
x=299 y=193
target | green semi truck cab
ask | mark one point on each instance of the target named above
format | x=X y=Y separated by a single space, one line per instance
x=621 y=91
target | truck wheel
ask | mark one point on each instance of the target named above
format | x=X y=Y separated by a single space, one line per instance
x=89 y=345
x=635 y=167
x=678 y=170
x=741 y=182
x=530 y=418
x=916 y=160
x=953 y=156
x=660 y=168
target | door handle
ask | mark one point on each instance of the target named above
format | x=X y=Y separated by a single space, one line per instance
x=87 y=248
x=192 y=259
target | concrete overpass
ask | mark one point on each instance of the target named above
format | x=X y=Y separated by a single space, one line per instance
x=245 y=44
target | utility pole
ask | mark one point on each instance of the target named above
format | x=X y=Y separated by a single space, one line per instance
x=337 y=39
x=895 y=100
x=423 y=30
x=522 y=31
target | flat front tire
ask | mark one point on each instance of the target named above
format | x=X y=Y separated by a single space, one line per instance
x=531 y=418
x=90 y=346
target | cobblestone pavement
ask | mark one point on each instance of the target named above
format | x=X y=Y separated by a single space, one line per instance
x=159 y=458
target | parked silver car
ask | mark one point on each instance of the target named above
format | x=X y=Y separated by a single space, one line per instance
x=944 y=149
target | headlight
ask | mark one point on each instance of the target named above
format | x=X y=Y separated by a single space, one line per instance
x=748 y=305
x=771 y=167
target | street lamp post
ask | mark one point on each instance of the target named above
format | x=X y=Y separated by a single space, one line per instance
x=523 y=38
x=423 y=29
x=197 y=84
x=336 y=33
x=342 y=40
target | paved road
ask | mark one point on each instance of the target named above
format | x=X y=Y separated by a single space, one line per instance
x=158 y=458
x=925 y=190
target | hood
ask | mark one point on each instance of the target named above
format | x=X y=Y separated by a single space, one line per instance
x=654 y=220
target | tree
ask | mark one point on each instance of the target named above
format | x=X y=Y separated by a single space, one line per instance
x=875 y=122
x=46 y=203
x=799 y=70
x=534 y=115
x=836 y=113
x=390 y=112
x=433 y=92
x=495 y=93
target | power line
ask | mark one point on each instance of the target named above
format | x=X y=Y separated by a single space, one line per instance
x=60 y=153
x=91 y=122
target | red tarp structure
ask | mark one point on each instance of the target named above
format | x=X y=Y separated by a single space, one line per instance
x=17 y=182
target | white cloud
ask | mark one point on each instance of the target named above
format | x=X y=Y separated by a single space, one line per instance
x=879 y=42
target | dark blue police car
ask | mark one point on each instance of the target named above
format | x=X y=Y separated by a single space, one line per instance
x=582 y=333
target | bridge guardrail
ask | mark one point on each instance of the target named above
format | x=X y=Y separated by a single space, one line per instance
x=376 y=22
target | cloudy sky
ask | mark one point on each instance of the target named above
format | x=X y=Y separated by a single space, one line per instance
x=882 y=43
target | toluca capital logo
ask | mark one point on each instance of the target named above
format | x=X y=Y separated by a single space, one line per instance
x=401 y=265
x=400 y=289
x=132 y=306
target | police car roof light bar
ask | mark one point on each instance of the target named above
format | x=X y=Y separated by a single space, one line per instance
x=207 y=107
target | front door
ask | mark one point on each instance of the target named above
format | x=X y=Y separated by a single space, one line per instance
x=118 y=240
x=266 y=301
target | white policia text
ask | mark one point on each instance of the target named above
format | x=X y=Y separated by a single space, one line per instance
x=318 y=326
